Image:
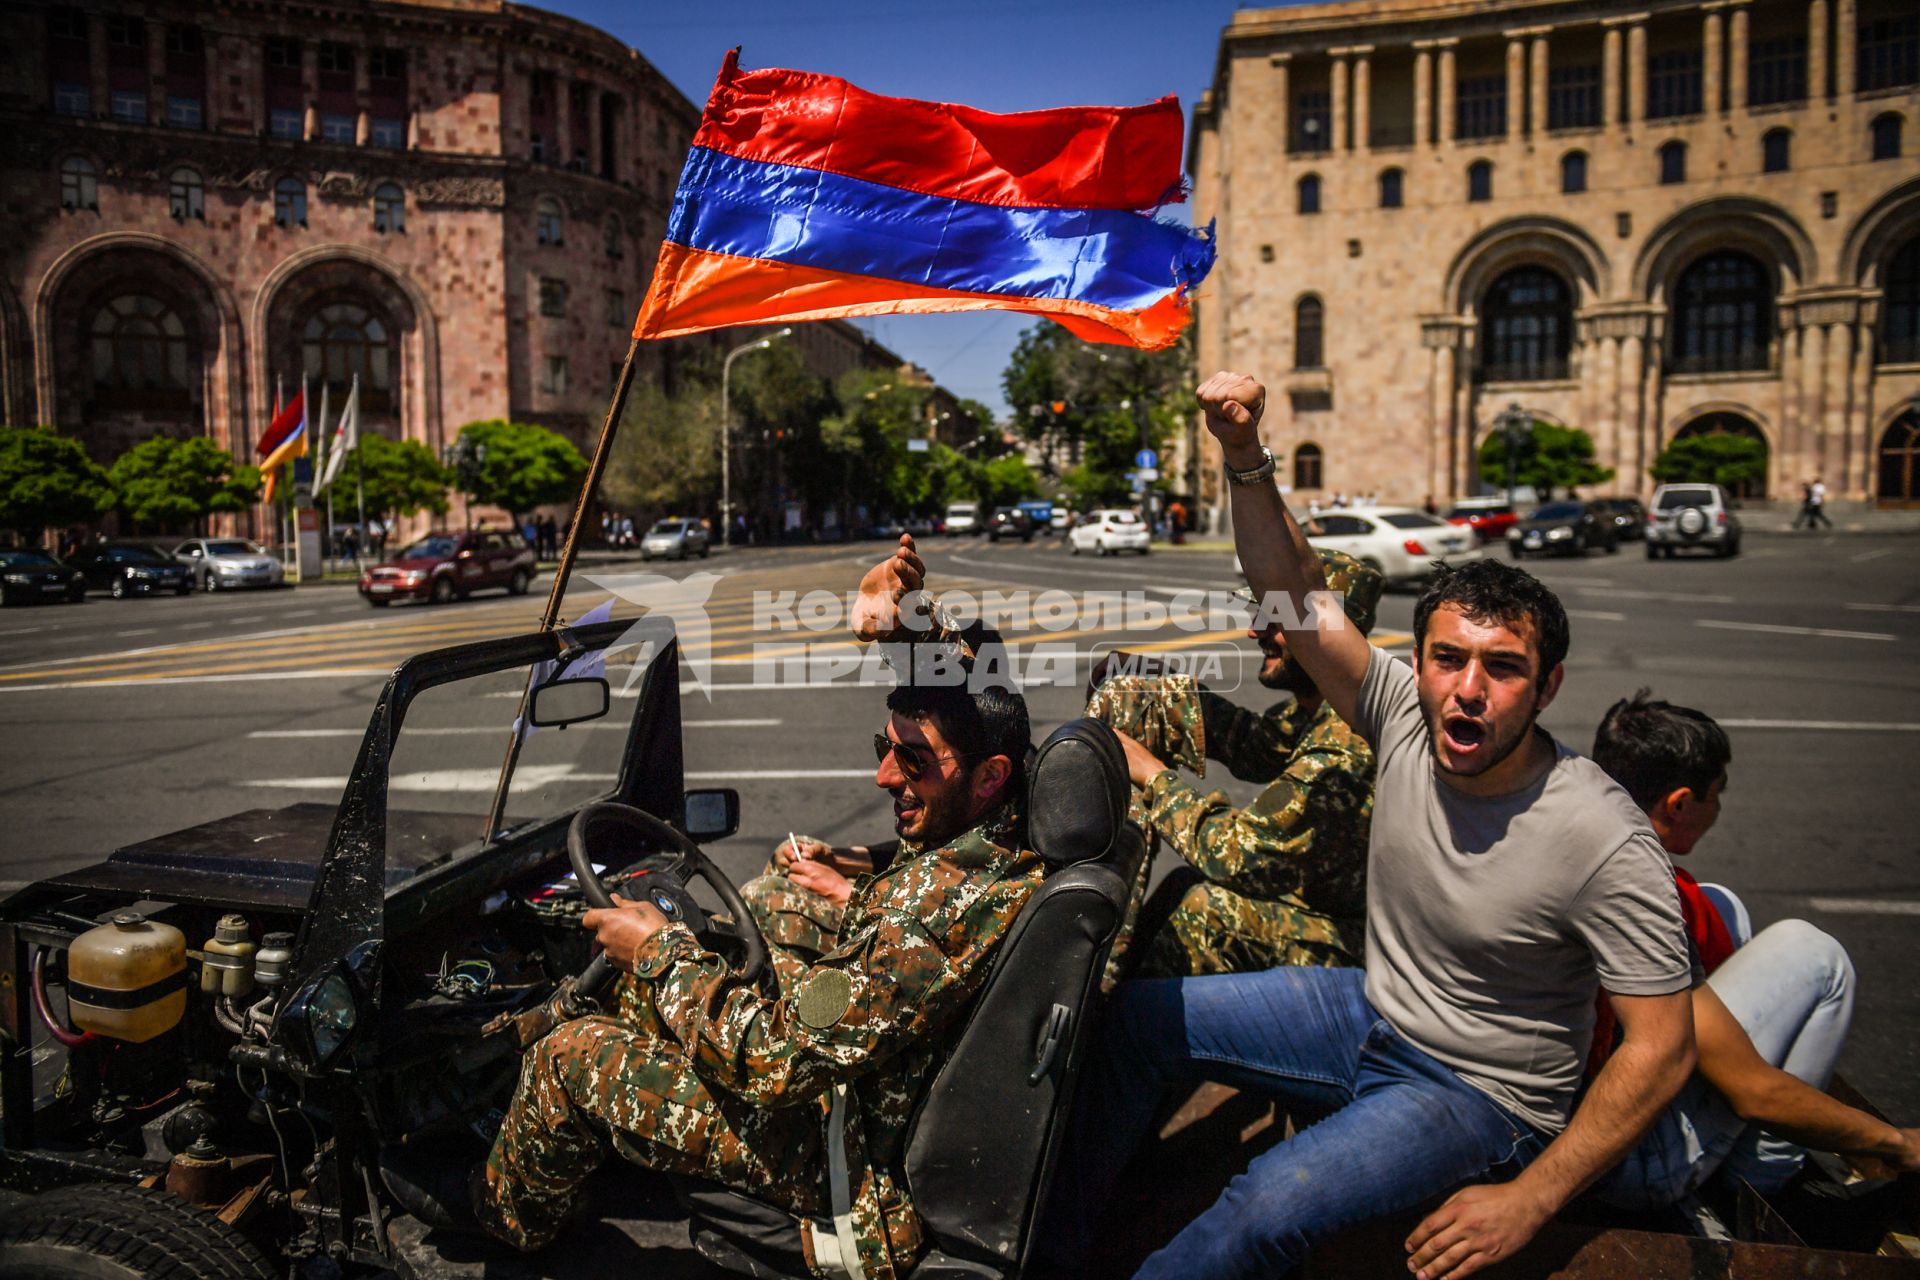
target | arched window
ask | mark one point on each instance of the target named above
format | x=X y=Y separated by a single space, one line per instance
x=548 y=226
x=79 y=184
x=1886 y=136
x=1900 y=307
x=186 y=196
x=1306 y=466
x=1673 y=162
x=1308 y=316
x=1310 y=193
x=342 y=340
x=1480 y=181
x=139 y=344
x=1527 y=327
x=616 y=238
x=289 y=203
x=1722 y=314
x=1731 y=424
x=1573 y=173
x=389 y=208
x=1392 y=196
x=1776 y=151
x=1900 y=460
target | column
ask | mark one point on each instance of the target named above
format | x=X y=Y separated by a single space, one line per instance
x=1423 y=94
x=310 y=89
x=1537 y=112
x=1447 y=112
x=1817 y=84
x=1610 y=77
x=99 y=85
x=1628 y=428
x=1607 y=432
x=1813 y=396
x=1439 y=421
x=362 y=97
x=1737 y=57
x=1637 y=71
x=1839 y=385
x=1858 y=460
x=1845 y=29
x=1650 y=413
x=157 y=73
x=1710 y=55
x=1516 y=87
x=1362 y=97
x=561 y=152
x=1338 y=141
x=1283 y=112
x=1789 y=396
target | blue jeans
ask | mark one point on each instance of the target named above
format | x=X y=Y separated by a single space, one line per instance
x=1402 y=1127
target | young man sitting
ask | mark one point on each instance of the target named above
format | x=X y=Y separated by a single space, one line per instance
x=1771 y=1017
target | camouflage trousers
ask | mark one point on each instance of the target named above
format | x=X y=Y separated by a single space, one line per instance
x=798 y=924
x=1191 y=926
x=620 y=1083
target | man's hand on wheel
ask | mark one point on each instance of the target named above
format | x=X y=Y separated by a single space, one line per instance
x=1477 y=1227
x=876 y=613
x=623 y=929
x=1233 y=403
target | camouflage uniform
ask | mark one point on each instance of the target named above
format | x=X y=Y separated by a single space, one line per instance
x=698 y=1073
x=798 y=924
x=1282 y=881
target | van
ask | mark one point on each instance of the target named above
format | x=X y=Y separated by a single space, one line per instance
x=962 y=517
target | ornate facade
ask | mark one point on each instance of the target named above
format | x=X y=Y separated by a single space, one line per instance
x=1641 y=220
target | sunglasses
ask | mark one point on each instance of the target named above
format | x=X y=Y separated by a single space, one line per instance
x=912 y=760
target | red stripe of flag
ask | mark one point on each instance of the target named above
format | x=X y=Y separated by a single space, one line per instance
x=284 y=424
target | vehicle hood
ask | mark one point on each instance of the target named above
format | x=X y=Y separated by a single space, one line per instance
x=1541 y=526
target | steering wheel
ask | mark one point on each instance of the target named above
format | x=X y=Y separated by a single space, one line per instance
x=606 y=833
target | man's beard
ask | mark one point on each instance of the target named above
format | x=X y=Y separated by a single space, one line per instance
x=1496 y=749
x=1287 y=677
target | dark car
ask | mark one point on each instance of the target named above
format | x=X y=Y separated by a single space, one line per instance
x=1010 y=522
x=27 y=575
x=449 y=566
x=1629 y=518
x=131 y=569
x=1564 y=528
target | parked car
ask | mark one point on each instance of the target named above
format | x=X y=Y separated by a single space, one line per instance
x=1489 y=518
x=222 y=564
x=1692 y=517
x=675 y=539
x=27 y=575
x=1564 y=528
x=447 y=566
x=1062 y=519
x=131 y=569
x=1401 y=542
x=1109 y=532
x=1010 y=522
x=1629 y=518
x=962 y=517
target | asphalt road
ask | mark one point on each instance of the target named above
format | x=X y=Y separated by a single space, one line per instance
x=125 y=719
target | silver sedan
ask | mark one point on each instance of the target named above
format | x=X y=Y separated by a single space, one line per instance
x=224 y=564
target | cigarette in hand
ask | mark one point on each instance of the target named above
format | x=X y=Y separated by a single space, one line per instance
x=793 y=844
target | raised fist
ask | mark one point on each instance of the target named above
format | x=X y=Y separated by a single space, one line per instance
x=1233 y=403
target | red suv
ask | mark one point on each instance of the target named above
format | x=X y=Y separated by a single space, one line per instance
x=444 y=566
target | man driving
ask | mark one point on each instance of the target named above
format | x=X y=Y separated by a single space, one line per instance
x=696 y=1072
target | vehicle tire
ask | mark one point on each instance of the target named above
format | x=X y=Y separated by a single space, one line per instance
x=6 y=597
x=1580 y=546
x=1073 y=548
x=119 y=589
x=705 y=550
x=209 y=582
x=645 y=558
x=378 y=603
x=1653 y=552
x=109 y=1231
x=1513 y=549
x=1612 y=547
x=518 y=587
x=442 y=592
x=1730 y=549
x=1691 y=522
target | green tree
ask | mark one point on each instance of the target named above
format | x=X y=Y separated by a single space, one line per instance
x=400 y=477
x=666 y=457
x=170 y=484
x=1097 y=404
x=1554 y=457
x=47 y=479
x=1721 y=458
x=1006 y=480
x=526 y=466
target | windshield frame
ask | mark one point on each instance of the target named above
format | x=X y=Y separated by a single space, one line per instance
x=452 y=545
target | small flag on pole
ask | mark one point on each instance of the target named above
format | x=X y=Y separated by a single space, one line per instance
x=345 y=437
x=292 y=445
x=807 y=198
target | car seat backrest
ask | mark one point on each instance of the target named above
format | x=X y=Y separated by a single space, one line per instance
x=981 y=1147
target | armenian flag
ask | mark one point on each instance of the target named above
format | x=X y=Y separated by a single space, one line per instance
x=807 y=198
x=289 y=431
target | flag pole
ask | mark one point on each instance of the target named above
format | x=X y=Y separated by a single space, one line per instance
x=561 y=572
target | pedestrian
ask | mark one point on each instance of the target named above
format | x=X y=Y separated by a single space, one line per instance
x=1817 y=504
x=1177 y=521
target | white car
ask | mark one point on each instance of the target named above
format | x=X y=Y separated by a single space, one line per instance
x=1401 y=542
x=222 y=564
x=1109 y=533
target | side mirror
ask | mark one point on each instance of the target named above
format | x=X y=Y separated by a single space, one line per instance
x=713 y=814
x=558 y=703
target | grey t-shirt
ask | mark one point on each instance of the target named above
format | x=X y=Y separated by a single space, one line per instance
x=1492 y=921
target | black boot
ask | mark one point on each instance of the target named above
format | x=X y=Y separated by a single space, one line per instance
x=436 y=1183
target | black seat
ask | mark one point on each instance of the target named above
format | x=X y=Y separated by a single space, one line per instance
x=981 y=1148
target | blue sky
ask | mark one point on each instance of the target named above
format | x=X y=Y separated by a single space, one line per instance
x=999 y=55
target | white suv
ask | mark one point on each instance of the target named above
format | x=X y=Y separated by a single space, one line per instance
x=1691 y=515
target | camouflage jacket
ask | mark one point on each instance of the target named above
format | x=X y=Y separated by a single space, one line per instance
x=877 y=1014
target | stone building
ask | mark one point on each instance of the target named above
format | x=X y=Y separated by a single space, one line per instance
x=459 y=201
x=1643 y=220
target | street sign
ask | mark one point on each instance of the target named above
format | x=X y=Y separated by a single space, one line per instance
x=1148 y=473
x=1146 y=460
x=916 y=445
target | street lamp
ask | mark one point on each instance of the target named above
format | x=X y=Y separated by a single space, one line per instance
x=1516 y=426
x=726 y=430
x=465 y=457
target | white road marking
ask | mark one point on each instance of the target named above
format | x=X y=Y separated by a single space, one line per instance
x=1597 y=615
x=137 y=631
x=482 y=730
x=1834 y=726
x=1886 y=608
x=22 y=631
x=1771 y=629
x=300 y=613
x=1622 y=593
x=1865 y=906
x=121 y=682
x=1865 y=556
x=196 y=626
x=774 y=775
x=252 y=617
x=1138 y=580
x=539 y=775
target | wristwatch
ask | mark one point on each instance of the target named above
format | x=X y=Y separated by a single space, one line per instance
x=1253 y=475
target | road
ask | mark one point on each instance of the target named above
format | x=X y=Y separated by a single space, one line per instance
x=124 y=719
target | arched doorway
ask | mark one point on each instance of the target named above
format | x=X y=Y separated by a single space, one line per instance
x=1899 y=468
x=336 y=321
x=1732 y=424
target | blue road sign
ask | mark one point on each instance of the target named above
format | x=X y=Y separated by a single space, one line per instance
x=1146 y=458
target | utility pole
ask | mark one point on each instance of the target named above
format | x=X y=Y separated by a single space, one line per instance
x=726 y=429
